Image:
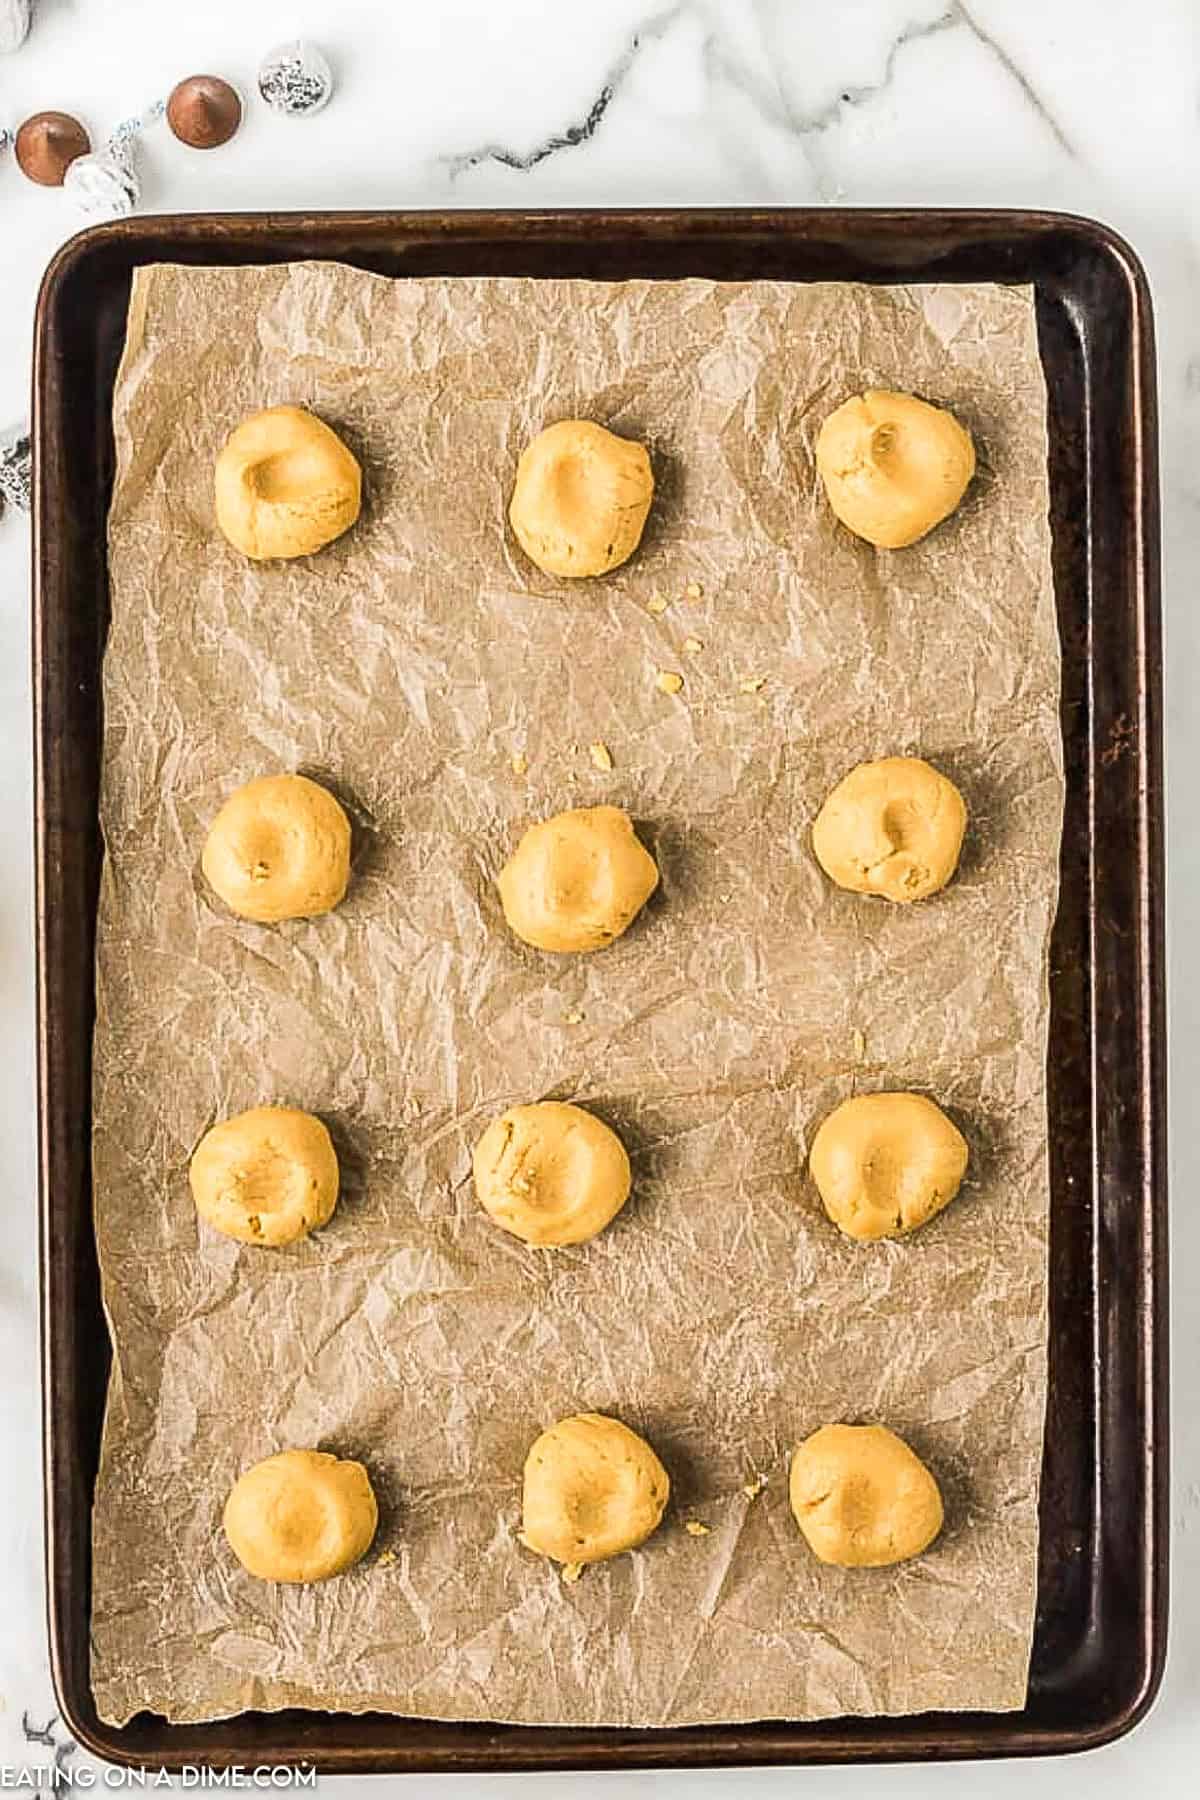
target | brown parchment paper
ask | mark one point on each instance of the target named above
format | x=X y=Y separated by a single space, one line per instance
x=721 y=1315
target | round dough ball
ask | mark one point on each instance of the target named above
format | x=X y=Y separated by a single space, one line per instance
x=885 y=1163
x=893 y=466
x=862 y=1498
x=574 y=882
x=279 y=849
x=893 y=827
x=581 y=499
x=285 y=484
x=300 y=1516
x=592 y=1489
x=268 y=1176
x=551 y=1173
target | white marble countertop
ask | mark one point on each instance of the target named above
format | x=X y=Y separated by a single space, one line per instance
x=1087 y=105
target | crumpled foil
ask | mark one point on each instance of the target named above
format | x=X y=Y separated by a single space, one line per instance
x=722 y=1315
x=15 y=19
x=104 y=183
x=16 y=468
x=295 y=79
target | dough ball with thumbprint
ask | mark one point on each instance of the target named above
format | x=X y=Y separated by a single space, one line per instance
x=892 y=828
x=884 y=1164
x=285 y=485
x=279 y=849
x=893 y=466
x=551 y=1173
x=576 y=881
x=301 y=1516
x=267 y=1176
x=862 y=1498
x=592 y=1489
x=581 y=499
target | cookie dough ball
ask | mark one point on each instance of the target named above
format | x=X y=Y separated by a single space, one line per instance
x=893 y=827
x=893 y=466
x=300 y=1516
x=268 y=1176
x=551 y=1173
x=279 y=849
x=592 y=1489
x=581 y=499
x=862 y=1498
x=574 y=882
x=885 y=1163
x=285 y=484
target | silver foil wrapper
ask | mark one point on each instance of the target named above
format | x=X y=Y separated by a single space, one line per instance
x=15 y=16
x=103 y=185
x=16 y=468
x=295 y=78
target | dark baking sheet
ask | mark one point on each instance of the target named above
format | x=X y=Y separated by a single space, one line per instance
x=1102 y=1595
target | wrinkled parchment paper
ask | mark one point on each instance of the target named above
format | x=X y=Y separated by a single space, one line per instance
x=721 y=1315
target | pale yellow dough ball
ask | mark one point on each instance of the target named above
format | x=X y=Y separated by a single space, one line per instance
x=551 y=1173
x=893 y=828
x=285 y=484
x=301 y=1516
x=279 y=849
x=885 y=1163
x=592 y=1489
x=862 y=1498
x=893 y=466
x=577 y=880
x=267 y=1176
x=581 y=499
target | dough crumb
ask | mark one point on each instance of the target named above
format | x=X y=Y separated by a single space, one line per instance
x=668 y=681
x=754 y=1488
x=572 y=1572
x=657 y=603
x=695 y=1528
x=518 y=762
x=693 y=644
x=574 y=1018
x=694 y=591
x=601 y=755
x=752 y=683
x=386 y=1560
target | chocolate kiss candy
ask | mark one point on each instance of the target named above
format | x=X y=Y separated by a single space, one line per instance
x=47 y=144
x=204 y=111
